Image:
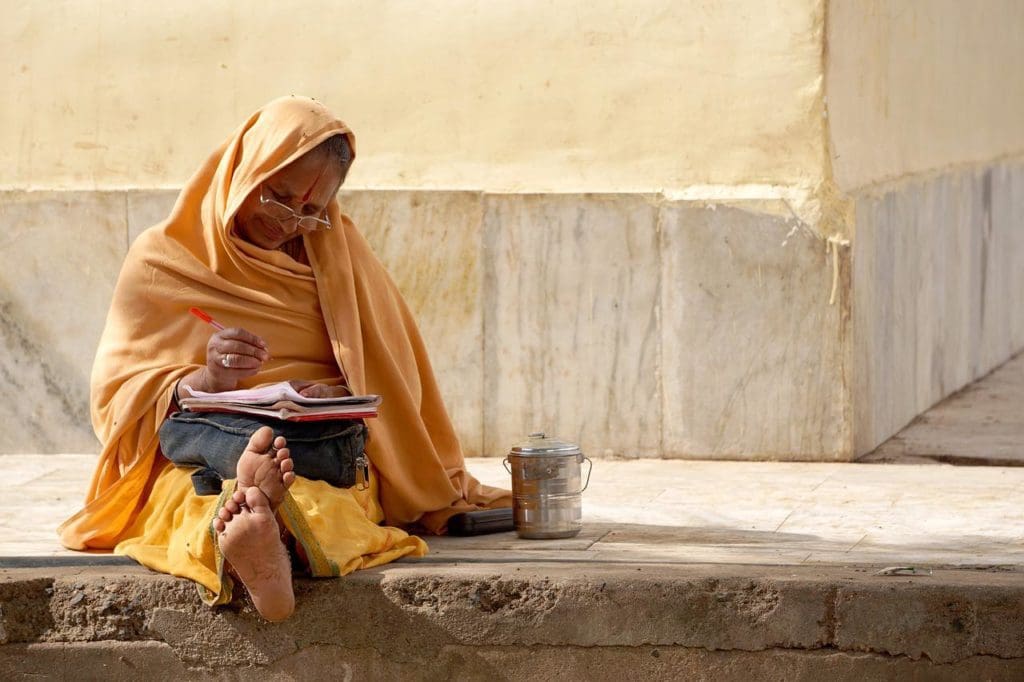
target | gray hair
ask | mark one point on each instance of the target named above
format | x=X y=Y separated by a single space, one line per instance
x=338 y=148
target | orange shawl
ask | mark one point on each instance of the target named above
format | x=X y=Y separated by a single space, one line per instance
x=194 y=259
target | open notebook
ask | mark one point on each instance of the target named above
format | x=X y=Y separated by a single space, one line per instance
x=281 y=401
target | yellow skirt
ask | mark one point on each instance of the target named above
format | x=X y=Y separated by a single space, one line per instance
x=336 y=528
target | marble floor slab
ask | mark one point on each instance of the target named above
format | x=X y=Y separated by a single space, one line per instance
x=675 y=512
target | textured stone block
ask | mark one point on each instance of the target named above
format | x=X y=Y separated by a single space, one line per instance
x=571 y=323
x=62 y=252
x=938 y=275
x=965 y=622
x=1003 y=273
x=430 y=243
x=752 y=351
x=147 y=208
x=131 y=661
x=931 y=622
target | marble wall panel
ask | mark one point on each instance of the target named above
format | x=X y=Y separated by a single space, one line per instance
x=911 y=303
x=147 y=208
x=1003 y=269
x=875 y=375
x=634 y=326
x=938 y=276
x=61 y=252
x=571 y=322
x=752 y=351
x=431 y=244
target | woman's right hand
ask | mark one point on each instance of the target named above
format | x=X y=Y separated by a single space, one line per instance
x=232 y=355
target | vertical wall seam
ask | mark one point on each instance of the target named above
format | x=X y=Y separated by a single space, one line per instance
x=127 y=225
x=487 y=285
x=659 y=360
x=844 y=234
x=481 y=227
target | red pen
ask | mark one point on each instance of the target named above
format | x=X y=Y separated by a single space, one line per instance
x=206 y=318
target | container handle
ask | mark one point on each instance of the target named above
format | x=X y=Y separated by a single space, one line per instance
x=590 y=470
x=504 y=463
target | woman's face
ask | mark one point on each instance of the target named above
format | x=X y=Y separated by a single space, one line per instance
x=305 y=186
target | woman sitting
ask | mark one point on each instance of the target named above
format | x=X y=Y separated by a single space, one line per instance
x=257 y=239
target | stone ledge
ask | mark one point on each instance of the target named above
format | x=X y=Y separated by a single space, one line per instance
x=408 y=613
x=132 y=661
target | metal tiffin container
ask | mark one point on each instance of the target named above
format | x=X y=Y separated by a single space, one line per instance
x=547 y=500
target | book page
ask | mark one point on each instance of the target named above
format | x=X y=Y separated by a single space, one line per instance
x=282 y=391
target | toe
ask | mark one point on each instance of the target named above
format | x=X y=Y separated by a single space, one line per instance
x=260 y=441
x=288 y=478
x=219 y=525
x=225 y=514
x=238 y=498
x=256 y=500
x=286 y=465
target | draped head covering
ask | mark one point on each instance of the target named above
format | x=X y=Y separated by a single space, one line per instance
x=194 y=258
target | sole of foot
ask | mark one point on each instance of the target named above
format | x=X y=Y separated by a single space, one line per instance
x=249 y=538
x=266 y=464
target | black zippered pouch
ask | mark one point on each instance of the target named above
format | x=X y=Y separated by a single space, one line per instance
x=332 y=451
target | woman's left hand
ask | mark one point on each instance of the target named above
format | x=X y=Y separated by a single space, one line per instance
x=311 y=389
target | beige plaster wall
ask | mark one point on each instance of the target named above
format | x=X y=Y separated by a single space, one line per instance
x=635 y=169
x=532 y=95
x=920 y=85
x=600 y=95
x=925 y=100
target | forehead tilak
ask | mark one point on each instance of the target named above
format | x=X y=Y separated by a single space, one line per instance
x=309 y=192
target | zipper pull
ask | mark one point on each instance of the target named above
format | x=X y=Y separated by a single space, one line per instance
x=362 y=472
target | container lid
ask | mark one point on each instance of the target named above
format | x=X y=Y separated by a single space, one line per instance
x=538 y=444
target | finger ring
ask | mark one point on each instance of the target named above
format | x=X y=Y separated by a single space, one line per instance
x=224 y=361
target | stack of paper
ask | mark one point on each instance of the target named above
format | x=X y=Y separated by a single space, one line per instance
x=281 y=401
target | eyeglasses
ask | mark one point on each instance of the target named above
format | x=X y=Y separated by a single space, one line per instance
x=282 y=213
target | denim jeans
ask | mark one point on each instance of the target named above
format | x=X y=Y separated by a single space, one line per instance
x=213 y=441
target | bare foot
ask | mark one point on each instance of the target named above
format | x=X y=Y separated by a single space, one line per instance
x=267 y=464
x=251 y=543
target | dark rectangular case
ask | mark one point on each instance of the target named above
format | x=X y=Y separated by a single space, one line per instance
x=481 y=522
